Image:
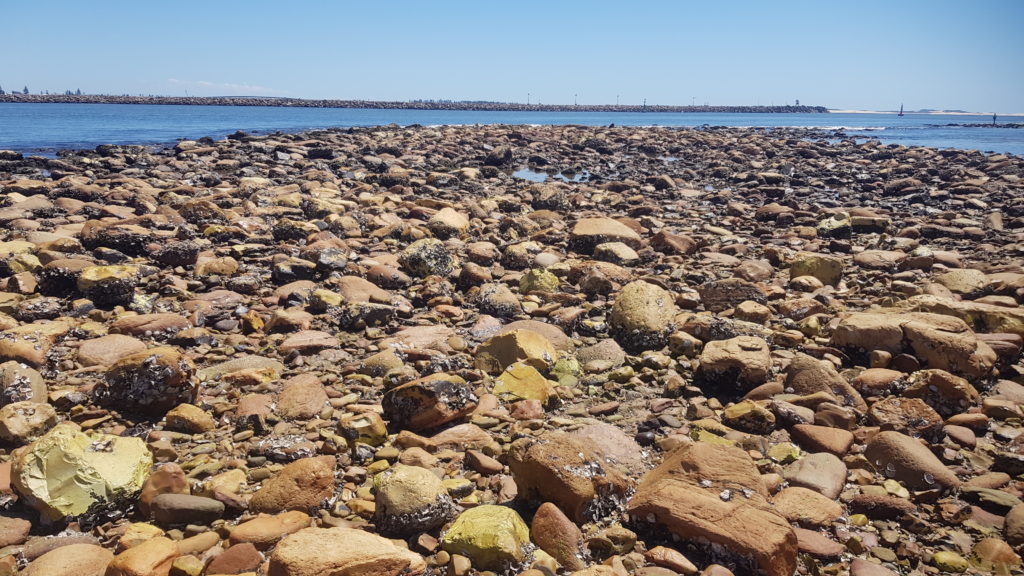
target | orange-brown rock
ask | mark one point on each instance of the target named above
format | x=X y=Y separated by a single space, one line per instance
x=713 y=495
x=569 y=472
x=301 y=485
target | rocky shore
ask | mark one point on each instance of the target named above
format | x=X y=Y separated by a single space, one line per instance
x=378 y=352
x=404 y=105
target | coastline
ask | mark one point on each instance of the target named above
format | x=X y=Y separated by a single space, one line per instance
x=377 y=304
x=394 y=105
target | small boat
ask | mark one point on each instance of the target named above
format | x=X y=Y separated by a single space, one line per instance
x=901 y=111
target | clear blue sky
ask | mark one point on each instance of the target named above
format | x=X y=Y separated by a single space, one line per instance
x=842 y=54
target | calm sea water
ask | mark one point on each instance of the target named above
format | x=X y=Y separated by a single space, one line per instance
x=45 y=128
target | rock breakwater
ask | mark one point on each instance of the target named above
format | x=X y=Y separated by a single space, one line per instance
x=396 y=105
x=377 y=351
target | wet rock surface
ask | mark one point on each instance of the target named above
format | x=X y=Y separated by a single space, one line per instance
x=377 y=351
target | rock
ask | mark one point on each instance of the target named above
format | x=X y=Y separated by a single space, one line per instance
x=22 y=422
x=106 y=350
x=720 y=295
x=994 y=554
x=862 y=567
x=612 y=444
x=817 y=544
x=13 y=531
x=492 y=537
x=601 y=357
x=1014 y=525
x=815 y=438
x=521 y=381
x=236 y=560
x=642 y=316
x=907 y=460
x=447 y=222
x=71 y=560
x=947 y=561
x=307 y=342
x=587 y=233
x=749 y=417
x=713 y=496
x=31 y=343
x=20 y=383
x=735 y=365
x=671 y=559
x=303 y=397
x=888 y=260
x=946 y=393
x=567 y=471
x=66 y=472
x=502 y=350
x=822 y=472
x=616 y=253
x=190 y=419
x=150 y=382
x=807 y=375
x=428 y=402
x=151 y=325
x=410 y=500
x=181 y=509
x=427 y=257
x=827 y=269
x=169 y=478
x=265 y=531
x=798 y=504
x=301 y=485
x=319 y=551
x=152 y=557
x=553 y=532
x=108 y=285
x=498 y=300
x=939 y=341
x=907 y=415
x=964 y=281
x=538 y=280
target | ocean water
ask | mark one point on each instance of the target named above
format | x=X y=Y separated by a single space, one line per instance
x=45 y=128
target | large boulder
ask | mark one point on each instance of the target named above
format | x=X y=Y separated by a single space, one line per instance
x=938 y=341
x=342 y=552
x=301 y=485
x=492 y=537
x=67 y=472
x=589 y=232
x=149 y=382
x=735 y=365
x=570 y=472
x=908 y=460
x=409 y=500
x=428 y=402
x=712 y=496
x=642 y=316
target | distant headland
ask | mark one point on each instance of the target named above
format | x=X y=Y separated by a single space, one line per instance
x=483 y=106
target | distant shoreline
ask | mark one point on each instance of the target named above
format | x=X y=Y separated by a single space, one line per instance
x=929 y=113
x=413 y=105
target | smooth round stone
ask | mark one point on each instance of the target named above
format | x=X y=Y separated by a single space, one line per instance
x=175 y=509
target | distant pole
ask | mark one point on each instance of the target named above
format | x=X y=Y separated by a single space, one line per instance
x=616 y=99
x=574 y=99
x=527 y=98
x=693 y=101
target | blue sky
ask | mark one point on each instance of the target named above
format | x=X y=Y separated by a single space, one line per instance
x=841 y=54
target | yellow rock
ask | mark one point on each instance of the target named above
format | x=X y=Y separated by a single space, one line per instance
x=66 y=471
x=520 y=381
x=527 y=346
x=491 y=536
x=137 y=533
